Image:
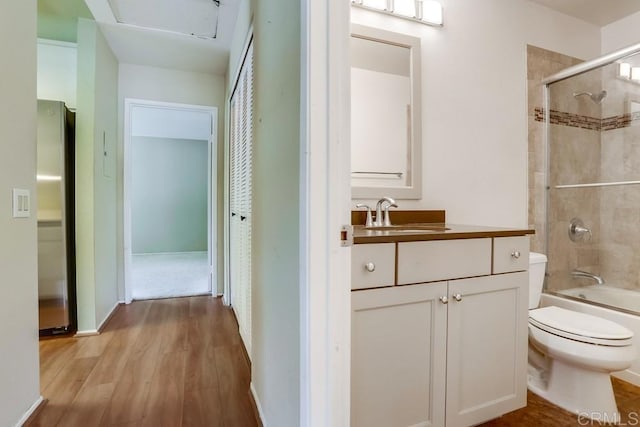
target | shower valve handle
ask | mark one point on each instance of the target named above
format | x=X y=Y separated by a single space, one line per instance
x=577 y=230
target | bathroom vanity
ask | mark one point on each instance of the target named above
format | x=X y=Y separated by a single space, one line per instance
x=439 y=324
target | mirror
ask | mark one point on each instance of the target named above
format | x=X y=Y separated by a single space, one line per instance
x=385 y=114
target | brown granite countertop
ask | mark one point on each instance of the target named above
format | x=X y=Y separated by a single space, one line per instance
x=438 y=231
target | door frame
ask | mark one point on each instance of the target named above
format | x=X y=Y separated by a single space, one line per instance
x=212 y=187
x=325 y=194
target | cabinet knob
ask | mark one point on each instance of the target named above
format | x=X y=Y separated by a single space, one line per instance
x=457 y=297
x=370 y=267
x=444 y=300
x=515 y=254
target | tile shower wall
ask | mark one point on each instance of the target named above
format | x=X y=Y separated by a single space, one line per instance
x=575 y=149
x=588 y=143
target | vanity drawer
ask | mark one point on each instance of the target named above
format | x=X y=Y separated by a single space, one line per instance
x=373 y=265
x=435 y=260
x=510 y=254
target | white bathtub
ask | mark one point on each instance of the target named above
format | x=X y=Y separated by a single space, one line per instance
x=608 y=295
x=629 y=321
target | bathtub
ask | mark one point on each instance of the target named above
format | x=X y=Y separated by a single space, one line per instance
x=610 y=296
x=624 y=299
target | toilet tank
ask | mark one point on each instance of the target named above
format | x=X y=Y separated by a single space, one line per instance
x=537 y=267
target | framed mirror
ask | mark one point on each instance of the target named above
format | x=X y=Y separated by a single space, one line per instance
x=386 y=138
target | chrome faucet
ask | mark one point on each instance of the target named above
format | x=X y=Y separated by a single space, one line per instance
x=379 y=221
x=369 y=221
x=579 y=273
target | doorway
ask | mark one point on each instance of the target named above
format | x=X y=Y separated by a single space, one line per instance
x=169 y=199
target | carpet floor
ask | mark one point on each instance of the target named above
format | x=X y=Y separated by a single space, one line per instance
x=169 y=275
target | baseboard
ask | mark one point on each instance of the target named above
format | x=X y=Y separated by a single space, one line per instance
x=257 y=408
x=109 y=316
x=87 y=333
x=628 y=376
x=32 y=411
x=94 y=332
x=245 y=353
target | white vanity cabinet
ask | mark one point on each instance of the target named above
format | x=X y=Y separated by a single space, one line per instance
x=444 y=352
x=398 y=353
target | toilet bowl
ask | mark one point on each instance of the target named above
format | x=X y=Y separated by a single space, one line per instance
x=571 y=354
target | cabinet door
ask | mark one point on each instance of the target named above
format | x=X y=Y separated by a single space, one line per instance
x=398 y=356
x=486 y=347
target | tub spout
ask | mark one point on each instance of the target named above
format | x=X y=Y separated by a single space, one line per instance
x=579 y=273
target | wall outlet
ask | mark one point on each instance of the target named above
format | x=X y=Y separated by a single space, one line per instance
x=21 y=203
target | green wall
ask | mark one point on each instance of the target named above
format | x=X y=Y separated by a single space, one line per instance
x=96 y=126
x=169 y=195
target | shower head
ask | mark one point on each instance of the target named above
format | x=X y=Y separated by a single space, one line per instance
x=595 y=97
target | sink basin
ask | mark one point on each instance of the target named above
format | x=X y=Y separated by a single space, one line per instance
x=410 y=228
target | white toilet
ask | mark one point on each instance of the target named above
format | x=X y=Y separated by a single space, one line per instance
x=571 y=354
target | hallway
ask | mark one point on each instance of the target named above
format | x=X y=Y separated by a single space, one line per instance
x=169 y=362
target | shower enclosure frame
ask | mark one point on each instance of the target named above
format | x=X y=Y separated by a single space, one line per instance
x=546 y=82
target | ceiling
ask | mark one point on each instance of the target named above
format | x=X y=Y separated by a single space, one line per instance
x=597 y=12
x=191 y=17
x=159 y=40
x=195 y=35
x=188 y=35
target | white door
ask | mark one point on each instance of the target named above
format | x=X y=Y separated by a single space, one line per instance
x=240 y=193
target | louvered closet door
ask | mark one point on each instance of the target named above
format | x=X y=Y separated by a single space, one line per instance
x=234 y=224
x=240 y=197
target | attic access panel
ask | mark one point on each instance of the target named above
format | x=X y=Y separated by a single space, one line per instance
x=193 y=17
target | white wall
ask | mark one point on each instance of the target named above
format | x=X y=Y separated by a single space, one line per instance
x=170 y=123
x=57 y=68
x=275 y=242
x=165 y=85
x=474 y=102
x=96 y=126
x=622 y=33
x=19 y=376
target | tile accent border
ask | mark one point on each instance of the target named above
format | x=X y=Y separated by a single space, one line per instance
x=586 y=122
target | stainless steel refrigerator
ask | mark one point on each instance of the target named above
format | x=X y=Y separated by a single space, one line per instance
x=56 y=218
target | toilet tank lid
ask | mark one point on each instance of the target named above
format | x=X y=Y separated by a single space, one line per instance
x=536 y=258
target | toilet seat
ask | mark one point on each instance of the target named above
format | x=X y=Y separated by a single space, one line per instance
x=580 y=327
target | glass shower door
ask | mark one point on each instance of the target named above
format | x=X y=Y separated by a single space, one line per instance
x=593 y=210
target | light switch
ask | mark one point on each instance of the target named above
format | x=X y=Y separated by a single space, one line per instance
x=21 y=203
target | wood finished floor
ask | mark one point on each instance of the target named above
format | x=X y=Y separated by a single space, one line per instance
x=539 y=412
x=169 y=362
x=179 y=362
